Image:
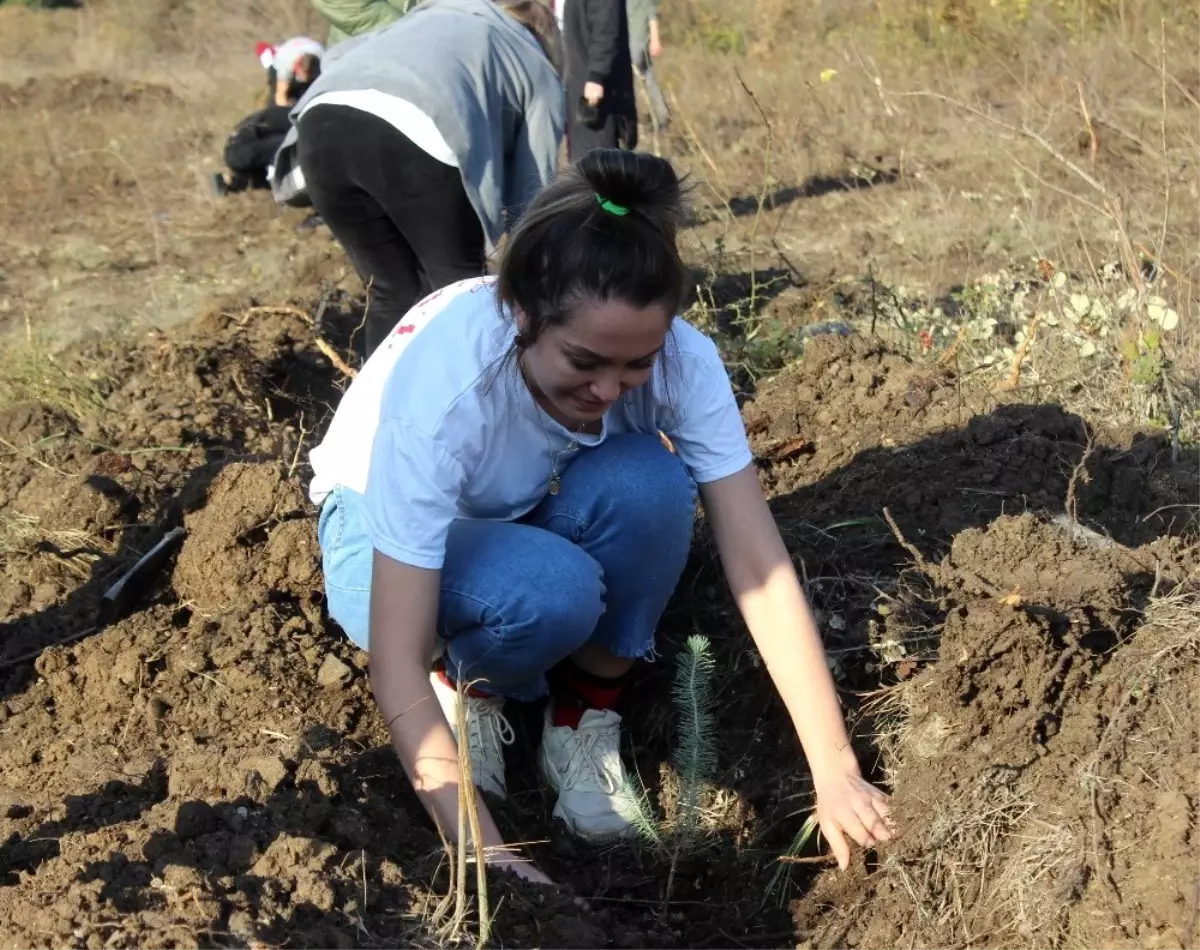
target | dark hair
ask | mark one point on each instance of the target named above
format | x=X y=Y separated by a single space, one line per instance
x=568 y=248
x=539 y=19
x=310 y=65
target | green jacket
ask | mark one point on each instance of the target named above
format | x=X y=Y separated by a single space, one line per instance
x=349 y=18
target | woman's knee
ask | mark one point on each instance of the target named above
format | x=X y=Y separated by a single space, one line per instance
x=568 y=600
x=533 y=607
x=652 y=482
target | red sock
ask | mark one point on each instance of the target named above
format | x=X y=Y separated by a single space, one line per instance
x=574 y=691
x=440 y=669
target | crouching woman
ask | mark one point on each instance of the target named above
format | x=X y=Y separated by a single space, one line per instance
x=493 y=482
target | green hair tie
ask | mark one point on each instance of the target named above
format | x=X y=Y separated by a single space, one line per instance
x=612 y=207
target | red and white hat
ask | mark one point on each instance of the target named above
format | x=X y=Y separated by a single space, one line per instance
x=266 y=54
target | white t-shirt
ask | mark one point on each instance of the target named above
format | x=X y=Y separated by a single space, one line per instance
x=438 y=425
x=289 y=52
x=399 y=113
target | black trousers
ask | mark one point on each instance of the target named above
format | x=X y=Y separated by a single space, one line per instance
x=402 y=217
x=251 y=149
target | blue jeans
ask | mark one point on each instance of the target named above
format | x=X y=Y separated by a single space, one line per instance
x=595 y=563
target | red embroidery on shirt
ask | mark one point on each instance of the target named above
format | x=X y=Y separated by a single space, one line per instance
x=405 y=328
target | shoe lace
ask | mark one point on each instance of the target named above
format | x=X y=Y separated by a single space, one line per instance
x=487 y=727
x=595 y=759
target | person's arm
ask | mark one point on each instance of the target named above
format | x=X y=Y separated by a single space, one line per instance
x=655 y=47
x=604 y=44
x=283 y=92
x=355 y=17
x=534 y=159
x=768 y=594
x=404 y=608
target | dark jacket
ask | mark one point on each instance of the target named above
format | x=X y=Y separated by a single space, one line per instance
x=596 y=43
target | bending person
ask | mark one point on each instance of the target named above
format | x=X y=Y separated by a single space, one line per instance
x=494 y=481
x=423 y=141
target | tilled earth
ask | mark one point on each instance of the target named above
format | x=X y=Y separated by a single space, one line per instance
x=203 y=765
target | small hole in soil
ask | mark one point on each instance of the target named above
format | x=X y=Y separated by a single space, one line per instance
x=181 y=618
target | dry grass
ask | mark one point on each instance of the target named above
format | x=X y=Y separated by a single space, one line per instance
x=31 y=374
x=932 y=145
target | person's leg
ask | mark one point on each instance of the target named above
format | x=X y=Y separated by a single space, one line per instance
x=503 y=630
x=346 y=555
x=441 y=225
x=659 y=112
x=340 y=148
x=515 y=600
x=630 y=505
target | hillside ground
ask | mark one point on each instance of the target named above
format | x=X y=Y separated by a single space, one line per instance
x=948 y=252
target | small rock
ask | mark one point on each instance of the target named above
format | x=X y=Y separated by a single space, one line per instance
x=241 y=924
x=263 y=775
x=333 y=673
x=181 y=877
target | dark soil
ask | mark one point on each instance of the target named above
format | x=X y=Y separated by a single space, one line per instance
x=209 y=769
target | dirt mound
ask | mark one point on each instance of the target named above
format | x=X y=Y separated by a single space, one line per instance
x=221 y=564
x=1044 y=767
x=854 y=428
x=210 y=768
x=85 y=93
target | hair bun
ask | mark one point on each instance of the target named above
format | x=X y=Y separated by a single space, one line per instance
x=638 y=181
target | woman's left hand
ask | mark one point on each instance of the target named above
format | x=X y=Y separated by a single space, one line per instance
x=847 y=804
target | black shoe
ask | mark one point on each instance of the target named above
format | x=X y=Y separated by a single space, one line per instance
x=220 y=186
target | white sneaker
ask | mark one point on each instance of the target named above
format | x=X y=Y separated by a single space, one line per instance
x=487 y=734
x=584 y=766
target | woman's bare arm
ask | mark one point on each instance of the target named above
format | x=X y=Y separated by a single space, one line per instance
x=769 y=596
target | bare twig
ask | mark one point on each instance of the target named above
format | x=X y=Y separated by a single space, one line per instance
x=1021 y=130
x=1175 y=82
x=1112 y=205
x=1162 y=128
x=366 y=313
x=1079 y=474
x=904 y=542
x=1014 y=373
x=299 y=447
x=764 y=187
x=338 y=363
x=251 y=312
x=1093 y=144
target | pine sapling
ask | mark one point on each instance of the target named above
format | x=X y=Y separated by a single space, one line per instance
x=694 y=762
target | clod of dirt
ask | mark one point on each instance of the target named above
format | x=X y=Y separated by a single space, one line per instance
x=333 y=673
x=220 y=562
